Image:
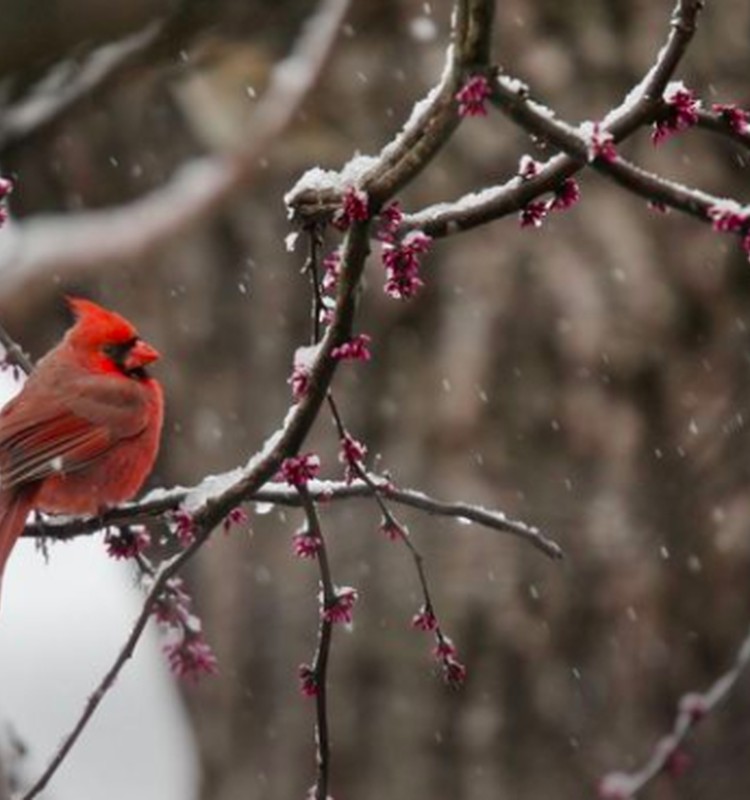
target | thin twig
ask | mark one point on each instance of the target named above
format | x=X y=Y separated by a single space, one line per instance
x=323 y=649
x=640 y=106
x=691 y=710
x=13 y=353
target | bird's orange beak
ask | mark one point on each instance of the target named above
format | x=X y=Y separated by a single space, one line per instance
x=141 y=354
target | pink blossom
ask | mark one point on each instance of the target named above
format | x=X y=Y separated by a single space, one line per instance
x=308 y=681
x=532 y=214
x=183 y=526
x=472 y=97
x=391 y=529
x=658 y=206
x=737 y=118
x=727 y=220
x=298 y=470
x=528 y=167
x=444 y=648
x=236 y=517
x=306 y=544
x=425 y=620
x=331 y=270
x=354 y=208
x=567 y=195
x=681 y=113
x=341 y=608
x=454 y=672
x=299 y=381
x=127 y=541
x=402 y=262
x=191 y=657
x=356 y=349
x=391 y=218
x=601 y=144
x=172 y=607
x=351 y=455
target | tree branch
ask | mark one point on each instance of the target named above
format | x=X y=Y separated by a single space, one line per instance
x=76 y=243
x=692 y=709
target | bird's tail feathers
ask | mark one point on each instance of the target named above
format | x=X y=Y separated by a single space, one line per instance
x=14 y=508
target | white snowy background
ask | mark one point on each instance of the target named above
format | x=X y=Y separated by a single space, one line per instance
x=61 y=624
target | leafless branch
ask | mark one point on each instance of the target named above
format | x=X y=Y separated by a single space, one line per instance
x=278 y=494
x=431 y=123
x=14 y=354
x=59 y=92
x=692 y=709
x=640 y=106
x=75 y=243
x=319 y=670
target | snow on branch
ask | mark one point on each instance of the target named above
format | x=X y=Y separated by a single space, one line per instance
x=667 y=755
x=272 y=494
x=318 y=193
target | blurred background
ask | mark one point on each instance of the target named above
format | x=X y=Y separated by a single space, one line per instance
x=591 y=377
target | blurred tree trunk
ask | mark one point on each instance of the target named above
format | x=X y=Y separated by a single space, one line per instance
x=591 y=377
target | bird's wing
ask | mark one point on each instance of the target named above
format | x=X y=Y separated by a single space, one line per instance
x=33 y=448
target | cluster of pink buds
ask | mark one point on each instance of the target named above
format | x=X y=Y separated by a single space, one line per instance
x=354 y=208
x=306 y=543
x=237 y=517
x=736 y=118
x=392 y=529
x=340 y=608
x=401 y=255
x=599 y=142
x=331 y=271
x=731 y=218
x=183 y=526
x=425 y=620
x=681 y=112
x=6 y=187
x=472 y=97
x=188 y=653
x=566 y=195
x=127 y=541
x=454 y=672
x=308 y=680
x=298 y=470
x=352 y=455
x=191 y=656
x=356 y=349
x=172 y=607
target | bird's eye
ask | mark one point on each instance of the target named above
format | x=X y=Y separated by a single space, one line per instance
x=118 y=351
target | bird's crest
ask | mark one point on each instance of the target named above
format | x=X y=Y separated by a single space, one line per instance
x=95 y=324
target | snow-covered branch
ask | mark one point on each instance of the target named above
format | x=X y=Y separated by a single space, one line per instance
x=77 y=243
x=667 y=755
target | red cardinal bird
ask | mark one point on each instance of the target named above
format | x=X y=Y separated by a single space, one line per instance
x=84 y=431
